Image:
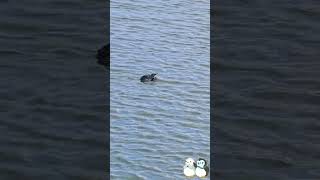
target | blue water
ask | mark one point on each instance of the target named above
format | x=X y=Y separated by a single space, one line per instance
x=52 y=93
x=155 y=127
x=266 y=86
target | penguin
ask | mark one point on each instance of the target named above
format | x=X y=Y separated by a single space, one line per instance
x=189 y=168
x=148 y=78
x=202 y=169
x=103 y=56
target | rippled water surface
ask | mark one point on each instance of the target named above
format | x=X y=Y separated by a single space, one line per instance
x=266 y=89
x=155 y=127
x=52 y=92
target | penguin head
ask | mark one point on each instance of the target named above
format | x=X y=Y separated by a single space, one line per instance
x=190 y=162
x=201 y=163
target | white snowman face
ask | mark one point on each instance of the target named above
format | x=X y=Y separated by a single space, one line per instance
x=190 y=162
x=201 y=163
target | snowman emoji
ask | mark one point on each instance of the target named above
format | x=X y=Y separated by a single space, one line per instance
x=189 y=168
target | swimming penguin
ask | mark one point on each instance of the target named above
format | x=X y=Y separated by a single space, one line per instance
x=202 y=169
x=189 y=168
x=148 y=78
x=103 y=56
